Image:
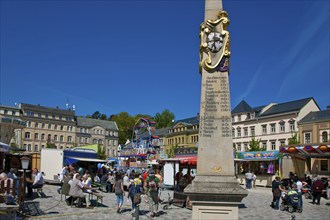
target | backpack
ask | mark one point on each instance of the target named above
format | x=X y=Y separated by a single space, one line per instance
x=152 y=185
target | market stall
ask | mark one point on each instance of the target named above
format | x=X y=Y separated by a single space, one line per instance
x=309 y=159
x=179 y=171
x=264 y=164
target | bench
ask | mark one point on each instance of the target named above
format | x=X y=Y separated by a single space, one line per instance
x=99 y=197
x=38 y=190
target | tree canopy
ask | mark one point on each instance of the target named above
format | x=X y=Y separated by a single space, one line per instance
x=164 y=119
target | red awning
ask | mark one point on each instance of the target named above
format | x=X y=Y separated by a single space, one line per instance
x=192 y=160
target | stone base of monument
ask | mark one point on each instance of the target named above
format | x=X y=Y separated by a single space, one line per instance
x=215 y=197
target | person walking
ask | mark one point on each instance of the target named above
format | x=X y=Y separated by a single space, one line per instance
x=299 y=190
x=276 y=192
x=254 y=178
x=134 y=191
x=317 y=187
x=119 y=191
x=248 y=179
x=151 y=189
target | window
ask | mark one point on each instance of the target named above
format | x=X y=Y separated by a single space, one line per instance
x=264 y=145
x=36 y=148
x=292 y=125
x=238 y=132
x=245 y=132
x=233 y=132
x=272 y=128
x=282 y=142
x=61 y=127
x=239 y=148
x=86 y=140
x=253 y=132
x=55 y=127
x=49 y=126
x=36 y=125
x=49 y=138
x=39 y=115
x=46 y=115
x=53 y=116
x=61 y=138
x=264 y=129
x=42 y=136
x=324 y=165
x=307 y=138
x=81 y=140
x=43 y=125
x=273 y=145
x=36 y=136
x=29 y=147
x=94 y=141
x=55 y=137
x=245 y=146
x=30 y=113
x=282 y=126
x=69 y=138
x=27 y=135
x=325 y=136
x=28 y=124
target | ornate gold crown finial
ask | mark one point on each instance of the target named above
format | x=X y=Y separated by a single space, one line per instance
x=222 y=14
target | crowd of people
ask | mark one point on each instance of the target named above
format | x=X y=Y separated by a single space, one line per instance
x=77 y=184
x=294 y=186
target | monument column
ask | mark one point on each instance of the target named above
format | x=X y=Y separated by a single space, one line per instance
x=215 y=193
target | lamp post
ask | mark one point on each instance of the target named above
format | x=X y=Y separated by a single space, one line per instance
x=25 y=165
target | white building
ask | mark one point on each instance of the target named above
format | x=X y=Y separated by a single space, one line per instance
x=273 y=124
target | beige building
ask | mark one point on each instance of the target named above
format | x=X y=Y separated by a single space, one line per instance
x=47 y=127
x=272 y=124
x=11 y=125
x=314 y=130
x=183 y=134
x=96 y=131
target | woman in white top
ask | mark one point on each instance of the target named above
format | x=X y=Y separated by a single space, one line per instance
x=126 y=182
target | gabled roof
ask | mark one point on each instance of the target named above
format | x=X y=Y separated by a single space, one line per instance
x=242 y=107
x=91 y=122
x=190 y=121
x=287 y=107
x=316 y=117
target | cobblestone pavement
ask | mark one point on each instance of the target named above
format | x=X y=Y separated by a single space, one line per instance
x=254 y=206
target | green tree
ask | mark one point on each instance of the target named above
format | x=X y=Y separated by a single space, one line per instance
x=294 y=139
x=254 y=145
x=97 y=115
x=50 y=145
x=101 y=152
x=170 y=152
x=164 y=119
x=125 y=123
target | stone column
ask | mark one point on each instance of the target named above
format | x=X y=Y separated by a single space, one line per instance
x=215 y=193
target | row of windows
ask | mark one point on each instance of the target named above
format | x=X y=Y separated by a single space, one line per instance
x=308 y=137
x=272 y=143
x=99 y=131
x=8 y=112
x=49 y=126
x=180 y=140
x=95 y=141
x=53 y=116
x=27 y=135
x=264 y=128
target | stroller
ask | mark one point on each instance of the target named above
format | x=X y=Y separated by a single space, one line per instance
x=290 y=201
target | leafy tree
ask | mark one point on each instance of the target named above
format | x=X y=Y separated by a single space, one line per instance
x=50 y=145
x=97 y=115
x=294 y=139
x=125 y=123
x=255 y=145
x=101 y=152
x=170 y=152
x=164 y=119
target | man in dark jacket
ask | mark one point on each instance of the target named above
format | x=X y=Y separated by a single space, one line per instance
x=317 y=187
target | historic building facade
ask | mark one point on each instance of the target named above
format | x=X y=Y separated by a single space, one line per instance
x=96 y=131
x=314 y=130
x=46 y=126
x=273 y=124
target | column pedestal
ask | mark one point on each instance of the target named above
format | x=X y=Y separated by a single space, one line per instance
x=215 y=197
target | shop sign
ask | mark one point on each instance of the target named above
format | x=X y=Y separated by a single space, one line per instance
x=258 y=155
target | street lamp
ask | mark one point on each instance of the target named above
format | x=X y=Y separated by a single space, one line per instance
x=25 y=165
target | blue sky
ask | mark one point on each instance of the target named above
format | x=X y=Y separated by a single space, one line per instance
x=142 y=56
